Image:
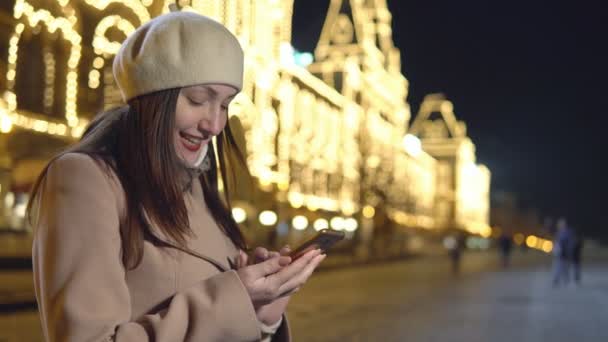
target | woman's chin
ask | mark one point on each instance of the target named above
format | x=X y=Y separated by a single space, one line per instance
x=188 y=158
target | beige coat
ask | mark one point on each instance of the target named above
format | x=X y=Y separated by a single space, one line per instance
x=84 y=292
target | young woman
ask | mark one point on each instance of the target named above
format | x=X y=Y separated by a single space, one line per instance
x=133 y=241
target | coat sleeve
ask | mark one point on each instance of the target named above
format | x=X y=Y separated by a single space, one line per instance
x=278 y=333
x=80 y=280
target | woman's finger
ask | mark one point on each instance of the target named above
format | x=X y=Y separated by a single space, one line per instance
x=267 y=268
x=303 y=276
x=294 y=268
x=260 y=254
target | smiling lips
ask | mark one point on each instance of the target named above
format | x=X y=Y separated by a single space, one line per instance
x=190 y=142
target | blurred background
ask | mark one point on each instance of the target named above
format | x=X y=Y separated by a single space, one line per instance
x=457 y=144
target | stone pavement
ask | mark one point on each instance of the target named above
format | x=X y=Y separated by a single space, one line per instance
x=415 y=300
x=421 y=301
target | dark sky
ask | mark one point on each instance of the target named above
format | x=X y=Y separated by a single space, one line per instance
x=528 y=78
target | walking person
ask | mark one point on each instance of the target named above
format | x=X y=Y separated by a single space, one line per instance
x=576 y=255
x=133 y=240
x=561 y=254
x=505 y=245
x=455 y=245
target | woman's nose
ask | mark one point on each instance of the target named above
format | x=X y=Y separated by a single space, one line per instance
x=212 y=123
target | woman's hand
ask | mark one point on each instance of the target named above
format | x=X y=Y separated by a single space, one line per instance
x=269 y=314
x=274 y=278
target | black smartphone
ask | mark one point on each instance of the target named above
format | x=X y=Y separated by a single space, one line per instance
x=324 y=240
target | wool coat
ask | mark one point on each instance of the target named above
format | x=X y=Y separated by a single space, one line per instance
x=85 y=293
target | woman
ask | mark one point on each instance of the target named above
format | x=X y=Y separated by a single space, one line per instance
x=133 y=241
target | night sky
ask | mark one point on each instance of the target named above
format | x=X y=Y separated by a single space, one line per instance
x=528 y=78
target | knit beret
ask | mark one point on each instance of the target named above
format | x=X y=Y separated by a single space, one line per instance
x=177 y=49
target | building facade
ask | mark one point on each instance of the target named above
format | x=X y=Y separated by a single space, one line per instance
x=328 y=144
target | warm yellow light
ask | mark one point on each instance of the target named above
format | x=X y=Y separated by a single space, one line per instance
x=264 y=182
x=94 y=76
x=531 y=241
x=79 y=129
x=239 y=214
x=373 y=161
x=98 y=62
x=35 y=18
x=313 y=204
x=10 y=75
x=337 y=223
x=93 y=83
x=320 y=224
x=20 y=209
x=135 y=5
x=299 y=222
x=350 y=224
x=348 y=208
x=5 y=123
x=268 y=217
x=295 y=199
x=9 y=200
x=283 y=186
x=519 y=238
x=486 y=232
x=547 y=246
x=369 y=211
x=412 y=145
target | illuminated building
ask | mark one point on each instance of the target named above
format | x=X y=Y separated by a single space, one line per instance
x=463 y=187
x=324 y=142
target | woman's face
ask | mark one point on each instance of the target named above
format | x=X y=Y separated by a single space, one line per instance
x=200 y=114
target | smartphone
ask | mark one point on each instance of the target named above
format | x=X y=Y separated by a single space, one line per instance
x=323 y=240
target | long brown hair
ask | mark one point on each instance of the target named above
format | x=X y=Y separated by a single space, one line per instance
x=136 y=143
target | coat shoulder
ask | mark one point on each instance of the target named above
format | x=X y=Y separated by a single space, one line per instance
x=79 y=163
x=80 y=170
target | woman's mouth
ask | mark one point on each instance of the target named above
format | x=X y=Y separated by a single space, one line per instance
x=190 y=142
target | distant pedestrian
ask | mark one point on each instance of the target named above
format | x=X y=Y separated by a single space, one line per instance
x=454 y=244
x=561 y=254
x=576 y=256
x=505 y=245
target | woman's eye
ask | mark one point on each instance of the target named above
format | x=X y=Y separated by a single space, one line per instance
x=196 y=103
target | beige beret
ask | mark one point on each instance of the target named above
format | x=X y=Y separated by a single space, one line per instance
x=177 y=49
